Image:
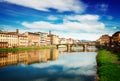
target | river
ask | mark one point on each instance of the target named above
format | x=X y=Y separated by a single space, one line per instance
x=49 y=65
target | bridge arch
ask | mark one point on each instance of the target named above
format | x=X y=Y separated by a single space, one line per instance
x=69 y=46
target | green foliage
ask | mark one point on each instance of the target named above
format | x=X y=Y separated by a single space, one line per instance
x=108 y=66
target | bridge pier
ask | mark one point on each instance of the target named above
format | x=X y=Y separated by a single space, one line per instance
x=85 y=47
x=57 y=46
x=69 y=47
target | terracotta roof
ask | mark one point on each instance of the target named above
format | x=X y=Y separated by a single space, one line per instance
x=116 y=33
x=33 y=33
x=9 y=33
x=21 y=35
x=13 y=33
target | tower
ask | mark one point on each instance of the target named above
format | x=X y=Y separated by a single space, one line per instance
x=49 y=32
x=17 y=31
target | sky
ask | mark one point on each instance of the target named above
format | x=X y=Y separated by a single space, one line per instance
x=77 y=19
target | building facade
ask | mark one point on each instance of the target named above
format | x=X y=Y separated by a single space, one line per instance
x=22 y=41
x=43 y=38
x=116 y=39
x=33 y=38
x=104 y=40
x=70 y=41
x=8 y=39
x=3 y=40
x=62 y=41
x=54 y=39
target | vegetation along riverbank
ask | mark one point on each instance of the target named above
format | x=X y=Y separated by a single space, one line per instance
x=108 y=66
x=25 y=48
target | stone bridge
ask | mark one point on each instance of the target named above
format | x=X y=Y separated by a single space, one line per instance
x=84 y=45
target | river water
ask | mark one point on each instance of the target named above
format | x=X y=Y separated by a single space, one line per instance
x=48 y=65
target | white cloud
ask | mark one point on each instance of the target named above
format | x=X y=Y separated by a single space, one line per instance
x=52 y=17
x=83 y=17
x=80 y=36
x=74 y=26
x=59 y=5
x=7 y=28
x=88 y=23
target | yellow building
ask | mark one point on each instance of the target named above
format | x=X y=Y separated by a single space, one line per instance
x=44 y=40
x=3 y=40
x=33 y=38
x=70 y=41
x=54 y=39
x=116 y=39
x=22 y=41
x=62 y=41
x=8 y=39
x=12 y=39
x=104 y=40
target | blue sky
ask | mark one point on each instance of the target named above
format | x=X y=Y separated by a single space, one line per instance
x=78 y=19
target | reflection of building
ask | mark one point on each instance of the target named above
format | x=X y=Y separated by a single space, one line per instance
x=53 y=54
x=3 y=60
x=12 y=58
x=33 y=39
x=43 y=55
x=116 y=39
x=33 y=56
x=22 y=57
x=28 y=57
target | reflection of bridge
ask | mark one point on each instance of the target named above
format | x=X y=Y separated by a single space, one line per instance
x=84 y=45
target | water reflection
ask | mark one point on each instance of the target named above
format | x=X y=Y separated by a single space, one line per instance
x=28 y=57
x=48 y=65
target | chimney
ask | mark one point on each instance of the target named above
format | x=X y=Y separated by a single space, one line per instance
x=17 y=31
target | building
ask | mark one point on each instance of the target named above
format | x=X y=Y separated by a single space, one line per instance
x=54 y=39
x=3 y=40
x=62 y=41
x=22 y=40
x=12 y=39
x=70 y=41
x=116 y=39
x=44 y=40
x=8 y=39
x=104 y=40
x=33 y=38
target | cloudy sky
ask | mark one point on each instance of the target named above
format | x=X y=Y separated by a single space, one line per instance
x=78 y=19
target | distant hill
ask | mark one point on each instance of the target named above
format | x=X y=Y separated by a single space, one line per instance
x=85 y=40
